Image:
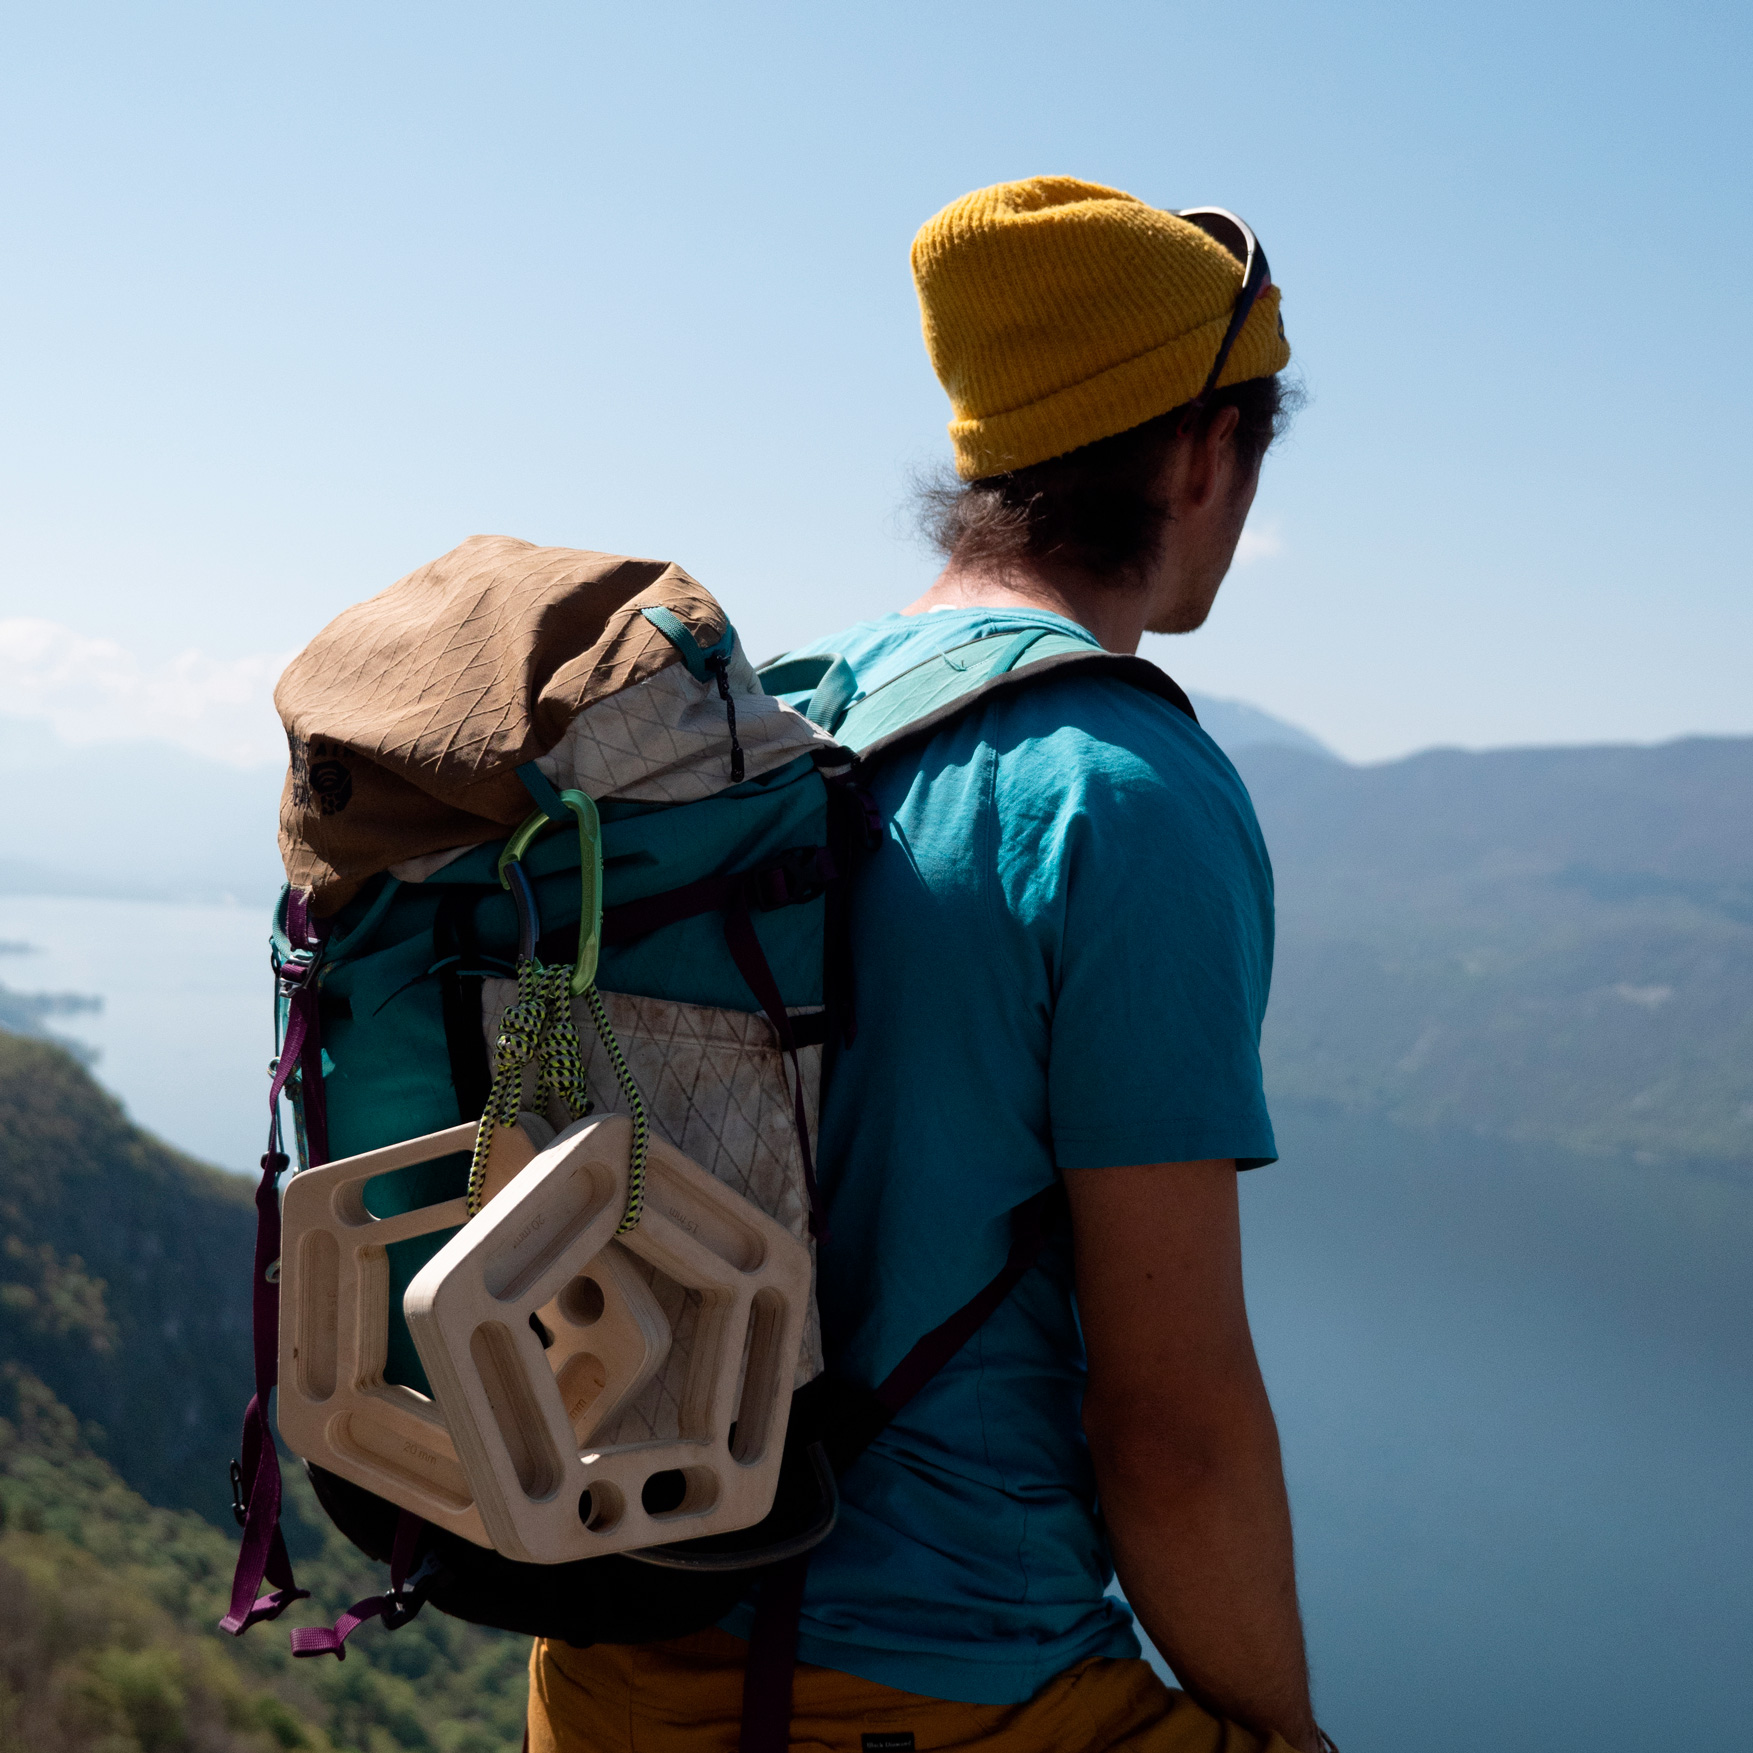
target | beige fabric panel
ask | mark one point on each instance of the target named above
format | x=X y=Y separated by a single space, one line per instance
x=665 y=741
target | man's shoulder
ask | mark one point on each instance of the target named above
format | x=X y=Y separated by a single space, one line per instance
x=1093 y=767
x=1072 y=723
x=1063 y=727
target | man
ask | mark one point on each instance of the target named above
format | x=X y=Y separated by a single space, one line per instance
x=1063 y=952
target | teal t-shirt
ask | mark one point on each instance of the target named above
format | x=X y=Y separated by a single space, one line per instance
x=1062 y=951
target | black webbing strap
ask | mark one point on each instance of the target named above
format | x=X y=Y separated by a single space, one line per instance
x=751 y=961
x=846 y=1419
x=797 y=875
x=454 y=948
x=772 y=1659
x=854 y=833
x=1029 y=1230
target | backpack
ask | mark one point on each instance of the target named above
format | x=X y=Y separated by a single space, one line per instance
x=435 y=732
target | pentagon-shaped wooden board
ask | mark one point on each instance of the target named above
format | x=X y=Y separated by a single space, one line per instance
x=556 y=1474
x=333 y=1406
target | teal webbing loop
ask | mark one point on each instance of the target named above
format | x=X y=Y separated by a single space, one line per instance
x=541 y=788
x=826 y=677
x=834 y=693
x=349 y=944
x=797 y=675
x=698 y=658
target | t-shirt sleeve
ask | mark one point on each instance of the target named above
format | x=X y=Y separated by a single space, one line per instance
x=1130 y=855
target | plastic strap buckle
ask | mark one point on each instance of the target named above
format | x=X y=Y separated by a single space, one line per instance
x=795 y=876
x=403 y=1604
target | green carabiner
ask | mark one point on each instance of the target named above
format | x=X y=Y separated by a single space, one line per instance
x=590 y=876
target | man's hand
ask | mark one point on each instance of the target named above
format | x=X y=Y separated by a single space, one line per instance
x=1183 y=1440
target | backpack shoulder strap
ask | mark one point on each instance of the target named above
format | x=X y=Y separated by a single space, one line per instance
x=912 y=707
x=834 y=1415
x=838 y=1419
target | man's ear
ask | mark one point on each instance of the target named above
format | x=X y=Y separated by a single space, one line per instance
x=1202 y=465
x=1216 y=461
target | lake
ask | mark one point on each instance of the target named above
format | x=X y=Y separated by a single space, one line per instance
x=1515 y=1388
x=1516 y=1399
x=186 y=1029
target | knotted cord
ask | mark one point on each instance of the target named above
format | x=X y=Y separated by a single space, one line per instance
x=537 y=1029
x=635 y=1107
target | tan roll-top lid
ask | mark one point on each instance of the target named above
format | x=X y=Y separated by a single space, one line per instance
x=408 y=715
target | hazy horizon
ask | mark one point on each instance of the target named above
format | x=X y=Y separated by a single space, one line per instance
x=300 y=300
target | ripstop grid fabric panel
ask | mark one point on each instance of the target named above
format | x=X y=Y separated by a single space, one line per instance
x=717 y=1086
x=667 y=740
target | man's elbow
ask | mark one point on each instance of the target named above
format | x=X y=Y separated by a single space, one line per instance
x=1146 y=1443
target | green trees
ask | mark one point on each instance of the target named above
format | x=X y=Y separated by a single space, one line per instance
x=124 y=1365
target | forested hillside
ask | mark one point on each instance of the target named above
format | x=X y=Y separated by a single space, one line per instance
x=108 y=1644
x=1548 y=945
x=124 y=1346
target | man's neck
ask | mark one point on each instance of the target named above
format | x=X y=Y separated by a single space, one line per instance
x=1114 y=614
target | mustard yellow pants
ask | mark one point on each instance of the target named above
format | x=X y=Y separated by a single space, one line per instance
x=686 y=1696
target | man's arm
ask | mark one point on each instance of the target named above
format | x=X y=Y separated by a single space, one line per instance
x=1183 y=1439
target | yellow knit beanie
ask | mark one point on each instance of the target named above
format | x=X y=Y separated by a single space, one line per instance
x=1058 y=312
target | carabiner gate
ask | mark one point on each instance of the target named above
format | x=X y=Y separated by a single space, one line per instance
x=590 y=875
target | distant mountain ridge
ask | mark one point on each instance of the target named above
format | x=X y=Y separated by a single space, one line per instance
x=139 y=820
x=1541 y=944
x=1551 y=945
x=1234 y=725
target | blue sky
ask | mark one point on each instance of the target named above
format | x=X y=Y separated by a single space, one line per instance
x=299 y=297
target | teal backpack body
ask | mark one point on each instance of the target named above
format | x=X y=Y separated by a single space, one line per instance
x=405 y=966
x=404 y=1002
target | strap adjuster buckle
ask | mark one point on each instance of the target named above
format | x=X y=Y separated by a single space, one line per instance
x=798 y=874
x=403 y=1604
x=295 y=971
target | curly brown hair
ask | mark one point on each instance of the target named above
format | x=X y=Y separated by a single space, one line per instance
x=1096 y=509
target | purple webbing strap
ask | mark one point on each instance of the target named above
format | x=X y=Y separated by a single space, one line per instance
x=393 y=1608
x=262 y=1556
x=772 y=1659
x=1028 y=1236
x=263 y=1553
x=751 y=961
